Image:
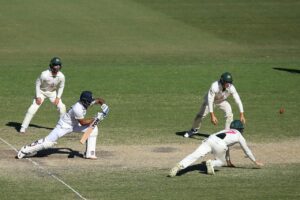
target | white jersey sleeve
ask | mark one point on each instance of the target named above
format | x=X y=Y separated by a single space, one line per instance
x=236 y=98
x=211 y=96
x=38 y=86
x=245 y=148
x=232 y=137
x=79 y=111
x=61 y=85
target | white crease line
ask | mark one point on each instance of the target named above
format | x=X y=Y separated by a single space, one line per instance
x=48 y=172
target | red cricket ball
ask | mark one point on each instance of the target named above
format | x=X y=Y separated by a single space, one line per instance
x=281 y=110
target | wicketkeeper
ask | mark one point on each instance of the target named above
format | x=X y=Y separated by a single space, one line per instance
x=216 y=97
x=218 y=144
x=72 y=121
x=50 y=84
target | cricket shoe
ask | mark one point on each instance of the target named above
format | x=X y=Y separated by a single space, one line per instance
x=210 y=168
x=22 y=153
x=175 y=170
x=191 y=132
x=22 y=130
x=91 y=157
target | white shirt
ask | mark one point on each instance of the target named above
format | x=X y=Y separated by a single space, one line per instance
x=232 y=137
x=49 y=83
x=217 y=95
x=70 y=118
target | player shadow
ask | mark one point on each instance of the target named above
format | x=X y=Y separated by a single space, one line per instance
x=203 y=169
x=197 y=167
x=17 y=126
x=197 y=136
x=295 y=71
x=68 y=151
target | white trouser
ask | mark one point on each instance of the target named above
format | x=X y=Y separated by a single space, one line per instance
x=34 y=107
x=60 y=131
x=213 y=145
x=224 y=105
x=35 y=147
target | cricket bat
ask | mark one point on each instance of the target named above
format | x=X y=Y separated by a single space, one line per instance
x=87 y=133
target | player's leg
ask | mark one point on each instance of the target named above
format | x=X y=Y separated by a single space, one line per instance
x=61 y=107
x=58 y=132
x=198 y=120
x=43 y=143
x=90 y=152
x=219 y=149
x=225 y=106
x=200 y=152
x=34 y=147
x=30 y=114
x=218 y=162
x=91 y=142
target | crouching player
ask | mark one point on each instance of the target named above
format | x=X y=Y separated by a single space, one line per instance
x=218 y=144
x=72 y=121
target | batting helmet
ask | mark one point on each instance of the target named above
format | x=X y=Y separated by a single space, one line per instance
x=237 y=124
x=55 y=64
x=226 y=78
x=86 y=98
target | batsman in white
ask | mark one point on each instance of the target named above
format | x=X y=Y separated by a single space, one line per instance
x=72 y=121
x=216 y=97
x=50 y=85
x=218 y=144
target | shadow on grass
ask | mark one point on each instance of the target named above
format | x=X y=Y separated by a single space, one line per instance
x=295 y=71
x=198 y=167
x=197 y=136
x=203 y=169
x=17 y=126
x=70 y=152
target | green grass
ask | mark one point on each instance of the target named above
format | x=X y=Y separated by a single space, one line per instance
x=153 y=61
x=272 y=182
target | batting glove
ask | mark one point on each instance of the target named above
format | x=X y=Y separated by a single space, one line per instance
x=100 y=116
x=105 y=109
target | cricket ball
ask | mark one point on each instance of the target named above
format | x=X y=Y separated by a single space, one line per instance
x=281 y=110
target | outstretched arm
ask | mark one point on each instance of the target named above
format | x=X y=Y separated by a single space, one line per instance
x=248 y=152
x=228 y=160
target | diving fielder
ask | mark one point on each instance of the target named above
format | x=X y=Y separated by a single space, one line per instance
x=216 y=97
x=218 y=144
x=72 y=121
x=50 y=85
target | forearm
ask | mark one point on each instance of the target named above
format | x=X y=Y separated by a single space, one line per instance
x=99 y=101
x=38 y=88
x=228 y=160
x=59 y=92
x=84 y=122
